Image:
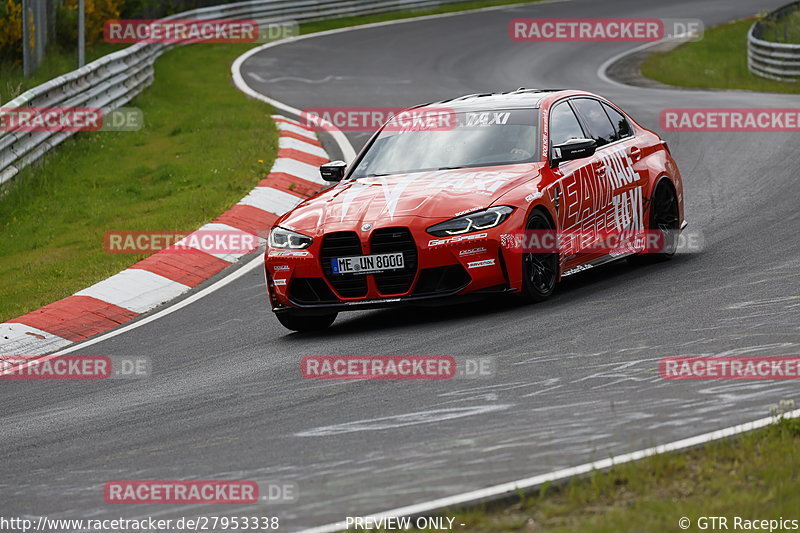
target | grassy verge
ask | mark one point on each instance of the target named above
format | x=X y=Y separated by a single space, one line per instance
x=203 y=147
x=754 y=476
x=787 y=28
x=719 y=61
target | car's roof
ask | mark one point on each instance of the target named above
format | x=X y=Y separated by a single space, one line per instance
x=521 y=98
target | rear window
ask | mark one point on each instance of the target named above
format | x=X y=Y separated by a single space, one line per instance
x=600 y=127
x=621 y=125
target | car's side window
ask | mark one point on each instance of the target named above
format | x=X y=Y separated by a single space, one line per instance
x=600 y=127
x=564 y=124
x=621 y=124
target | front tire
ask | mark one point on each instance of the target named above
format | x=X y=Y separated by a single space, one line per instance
x=539 y=269
x=305 y=323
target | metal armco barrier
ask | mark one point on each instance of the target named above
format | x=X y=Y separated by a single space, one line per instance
x=771 y=59
x=115 y=79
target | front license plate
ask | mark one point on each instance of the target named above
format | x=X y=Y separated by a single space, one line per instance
x=367 y=264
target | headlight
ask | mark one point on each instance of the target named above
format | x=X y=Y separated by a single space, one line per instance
x=480 y=220
x=284 y=238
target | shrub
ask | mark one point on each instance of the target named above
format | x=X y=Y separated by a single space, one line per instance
x=11 y=30
x=97 y=13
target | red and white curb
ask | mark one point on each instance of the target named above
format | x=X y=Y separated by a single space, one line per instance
x=164 y=276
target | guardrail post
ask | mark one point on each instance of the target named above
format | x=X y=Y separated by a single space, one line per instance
x=81 y=33
x=27 y=21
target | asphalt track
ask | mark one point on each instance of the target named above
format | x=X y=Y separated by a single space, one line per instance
x=577 y=376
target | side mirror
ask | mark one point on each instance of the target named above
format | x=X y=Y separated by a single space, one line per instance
x=573 y=149
x=333 y=171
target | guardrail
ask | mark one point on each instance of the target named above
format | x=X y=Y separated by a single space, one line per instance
x=772 y=59
x=115 y=79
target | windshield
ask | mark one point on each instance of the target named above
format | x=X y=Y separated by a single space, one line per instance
x=470 y=139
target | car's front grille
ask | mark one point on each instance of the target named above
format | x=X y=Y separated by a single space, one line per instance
x=391 y=240
x=441 y=280
x=343 y=244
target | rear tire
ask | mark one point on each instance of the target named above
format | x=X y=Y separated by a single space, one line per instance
x=663 y=218
x=305 y=323
x=539 y=269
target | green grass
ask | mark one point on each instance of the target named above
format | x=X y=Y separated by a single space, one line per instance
x=203 y=147
x=786 y=29
x=754 y=476
x=719 y=61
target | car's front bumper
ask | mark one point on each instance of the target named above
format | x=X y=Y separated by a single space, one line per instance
x=400 y=301
x=444 y=269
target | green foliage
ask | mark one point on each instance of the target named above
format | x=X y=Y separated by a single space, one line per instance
x=719 y=61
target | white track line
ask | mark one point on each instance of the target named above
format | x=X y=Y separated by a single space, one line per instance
x=602 y=70
x=510 y=488
x=233 y=276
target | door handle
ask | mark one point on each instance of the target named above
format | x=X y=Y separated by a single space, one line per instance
x=636 y=153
